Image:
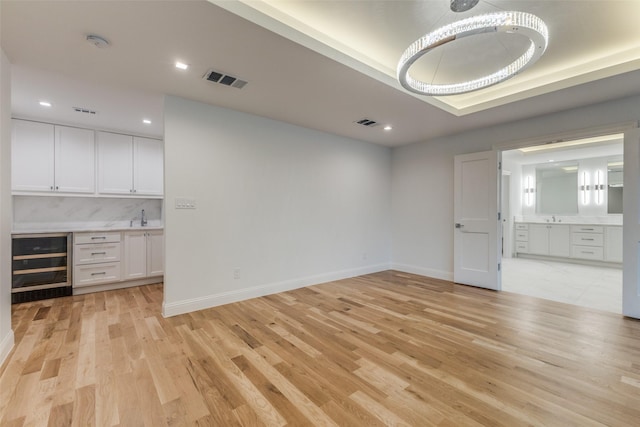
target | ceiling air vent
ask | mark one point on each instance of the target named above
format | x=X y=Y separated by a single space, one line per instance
x=367 y=122
x=224 y=79
x=84 y=110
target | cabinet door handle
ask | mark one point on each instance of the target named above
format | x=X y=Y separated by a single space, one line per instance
x=98 y=253
x=98 y=274
x=587 y=252
x=98 y=237
x=51 y=188
x=587 y=239
x=56 y=187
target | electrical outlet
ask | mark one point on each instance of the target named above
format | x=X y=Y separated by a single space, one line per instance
x=236 y=273
x=185 y=203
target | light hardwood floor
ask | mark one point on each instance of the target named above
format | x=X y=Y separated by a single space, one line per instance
x=383 y=349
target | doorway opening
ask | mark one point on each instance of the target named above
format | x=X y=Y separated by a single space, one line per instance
x=562 y=221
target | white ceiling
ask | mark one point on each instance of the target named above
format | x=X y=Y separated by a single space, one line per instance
x=318 y=64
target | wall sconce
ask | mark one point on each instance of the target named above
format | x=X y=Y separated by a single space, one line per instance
x=584 y=188
x=529 y=190
x=598 y=186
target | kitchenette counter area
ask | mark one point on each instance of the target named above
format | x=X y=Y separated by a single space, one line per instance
x=108 y=247
x=51 y=263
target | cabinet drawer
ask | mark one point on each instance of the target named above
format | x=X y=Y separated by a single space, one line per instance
x=104 y=237
x=522 y=226
x=522 y=247
x=587 y=252
x=87 y=275
x=587 y=229
x=99 y=252
x=587 y=239
x=522 y=236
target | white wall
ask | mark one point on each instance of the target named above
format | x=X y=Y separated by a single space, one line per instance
x=6 y=334
x=422 y=181
x=285 y=205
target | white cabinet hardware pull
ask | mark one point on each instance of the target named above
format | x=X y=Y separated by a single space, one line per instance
x=98 y=253
x=97 y=274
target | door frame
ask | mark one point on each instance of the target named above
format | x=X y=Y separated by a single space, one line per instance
x=631 y=247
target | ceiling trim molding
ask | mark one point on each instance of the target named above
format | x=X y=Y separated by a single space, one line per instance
x=526 y=86
x=567 y=136
x=260 y=13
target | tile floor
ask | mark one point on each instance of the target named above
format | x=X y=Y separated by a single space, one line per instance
x=583 y=285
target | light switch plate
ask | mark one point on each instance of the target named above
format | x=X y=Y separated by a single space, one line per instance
x=185 y=203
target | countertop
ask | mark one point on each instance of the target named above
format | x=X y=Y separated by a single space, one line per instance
x=85 y=230
x=570 y=223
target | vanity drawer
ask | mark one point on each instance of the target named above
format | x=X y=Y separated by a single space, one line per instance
x=104 y=237
x=522 y=236
x=587 y=252
x=522 y=226
x=587 y=239
x=87 y=275
x=522 y=247
x=587 y=229
x=99 y=252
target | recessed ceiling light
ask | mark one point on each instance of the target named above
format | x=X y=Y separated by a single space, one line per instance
x=181 y=65
x=146 y=121
x=388 y=127
x=45 y=103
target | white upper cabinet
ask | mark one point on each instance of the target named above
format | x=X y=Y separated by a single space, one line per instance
x=115 y=163
x=148 y=158
x=32 y=156
x=48 y=158
x=75 y=168
x=129 y=165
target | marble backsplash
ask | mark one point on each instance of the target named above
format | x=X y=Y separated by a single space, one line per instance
x=82 y=213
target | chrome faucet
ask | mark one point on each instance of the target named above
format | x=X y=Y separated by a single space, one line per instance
x=143 y=219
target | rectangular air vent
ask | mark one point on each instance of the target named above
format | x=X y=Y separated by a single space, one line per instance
x=84 y=110
x=366 y=122
x=224 y=79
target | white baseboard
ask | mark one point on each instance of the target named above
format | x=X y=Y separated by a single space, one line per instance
x=117 y=285
x=5 y=346
x=194 y=304
x=428 y=272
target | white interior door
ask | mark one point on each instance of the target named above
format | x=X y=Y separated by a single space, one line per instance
x=477 y=226
x=631 y=226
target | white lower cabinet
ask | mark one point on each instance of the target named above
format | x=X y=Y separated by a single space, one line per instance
x=143 y=254
x=613 y=244
x=116 y=256
x=586 y=242
x=552 y=240
x=93 y=274
x=96 y=258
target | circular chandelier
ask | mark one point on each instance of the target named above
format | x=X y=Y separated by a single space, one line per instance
x=500 y=22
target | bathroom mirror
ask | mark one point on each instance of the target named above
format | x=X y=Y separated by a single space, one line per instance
x=557 y=189
x=615 y=169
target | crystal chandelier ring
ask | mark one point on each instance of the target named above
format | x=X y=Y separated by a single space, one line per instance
x=522 y=23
